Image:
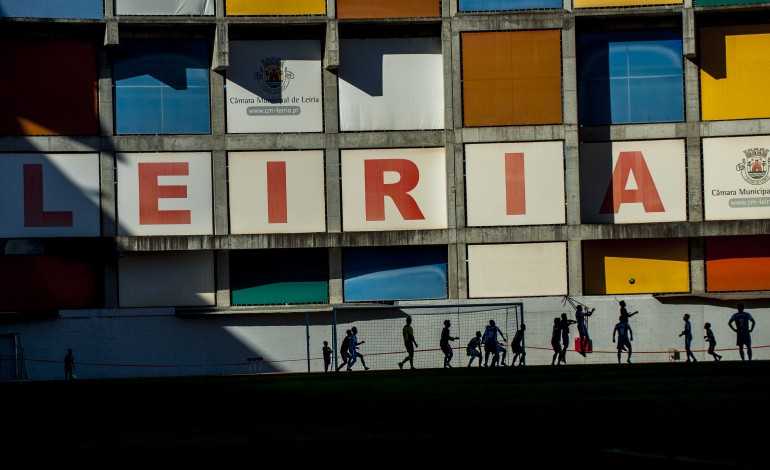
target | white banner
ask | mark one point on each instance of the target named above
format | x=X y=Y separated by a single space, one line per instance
x=165 y=7
x=167 y=279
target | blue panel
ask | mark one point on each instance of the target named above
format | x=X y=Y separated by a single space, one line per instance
x=394 y=273
x=656 y=101
x=77 y=9
x=494 y=5
x=170 y=80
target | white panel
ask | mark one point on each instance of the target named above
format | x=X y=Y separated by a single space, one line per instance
x=289 y=102
x=196 y=202
x=662 y=162
x=305 y=183
x=487 y=191
x=164 y=7
x=70 y=185
x=428 y=194
x=402 y=90
x=175 y=278
x=736 y=172
x=525 y=270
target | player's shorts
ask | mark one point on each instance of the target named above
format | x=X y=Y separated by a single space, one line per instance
x=744 y=339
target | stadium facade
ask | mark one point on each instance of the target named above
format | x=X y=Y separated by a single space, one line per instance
x=190 y=184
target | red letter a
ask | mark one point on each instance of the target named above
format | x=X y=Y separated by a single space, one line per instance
x=646 y=192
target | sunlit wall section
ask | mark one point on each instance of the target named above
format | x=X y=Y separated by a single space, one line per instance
x=274 y=86
x=294 y=276
x=626 y=77
x=277 y=192
x=511 y=78
x=394 y=189
x=275 y=7
x=165 y=7
x=161 y=87
x=731 y=59
x=502 y=5
x=391 y=84
x=49 y=195
x=636 y=266
x=736 y=175
x=738 y=263
x=74 y=9
x=394 y=273
x=167 y=279
x=633 y=182
x=164 y=193
x=621 y=3
x=517 y=270
x=517 y=183
x=388 y=8
x=52 y=90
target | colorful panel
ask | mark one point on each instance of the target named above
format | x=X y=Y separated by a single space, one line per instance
x=511 y=78
x=277 y=192
x=165 y=7
x=630 y=77
x=731 y=59
x=30 y=282
x=628 y=182
x=49 y=195
x=709 y=3
x=736 y=171
x=294 y=276
x=739 y=263
x=621 y=3
x=518 y=183
x=636 y=266
x=521 y=270
x=394 y=273
x=52 y=90
x=275 y=7
x=274 y=86
x=167 y=279
x=394 y=189
x=388 y=8
x=162 y=87
x=164 y=194
x=498 y=5
x=391 y=84
x=74 y=9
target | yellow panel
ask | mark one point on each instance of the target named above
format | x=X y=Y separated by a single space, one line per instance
x=649 y=275
x=733 y=60
x=621 y=3
x=275 y=7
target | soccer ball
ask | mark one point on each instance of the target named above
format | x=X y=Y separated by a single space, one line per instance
x=631 y=281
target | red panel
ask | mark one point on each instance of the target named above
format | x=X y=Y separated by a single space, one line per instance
x=47 y=283
x=740 y=263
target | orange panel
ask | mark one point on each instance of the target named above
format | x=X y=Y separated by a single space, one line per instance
x=388 y=8
x=738 y=263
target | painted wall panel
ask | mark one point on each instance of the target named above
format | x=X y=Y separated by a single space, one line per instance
x=511 y=78
x=707 y=3
x=76 y=9
x=394 y=189
x=630 y=77
x=736 y=171
x=621 y=3
x=394 y=273
x=391 y=84
x=52 y=90
x=161 y=87
x=168 y=279
x=294 y=276
x=731 y=59
x=738 y=263
x=518 y=183
x=165 y=7
x=520 y=270
x=277 y=192
x=633 y=182
x=49 y=195
x=388 y=8
x=164 y=193
x=31 y=282
x=274 y=86
x=655 y=265
x=496 y=5
x=275 y=7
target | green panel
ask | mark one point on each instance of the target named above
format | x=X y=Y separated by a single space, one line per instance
x=282 y=292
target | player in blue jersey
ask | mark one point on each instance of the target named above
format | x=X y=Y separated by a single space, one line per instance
x=473 y=349
x=687 y=333
x=624 y=335
x=355 y=354
x=743 y=324
x=491 y=345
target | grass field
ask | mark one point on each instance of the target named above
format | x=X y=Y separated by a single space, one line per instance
x=678 y=415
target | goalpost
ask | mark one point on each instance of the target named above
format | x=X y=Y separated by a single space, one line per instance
x=380 y=329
